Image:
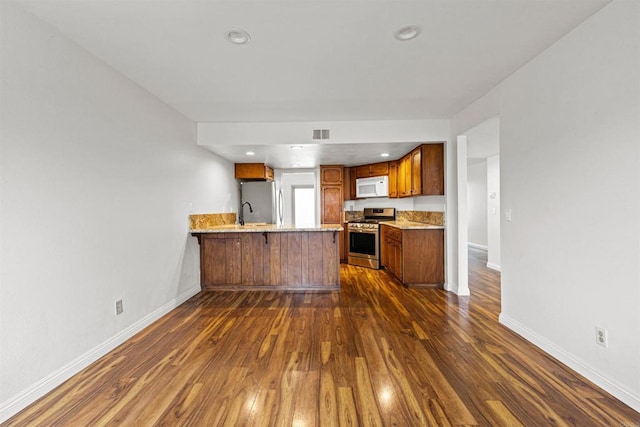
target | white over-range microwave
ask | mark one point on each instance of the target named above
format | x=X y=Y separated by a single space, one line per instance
x=377 y=186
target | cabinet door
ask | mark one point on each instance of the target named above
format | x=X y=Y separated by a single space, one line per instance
x=398 y=261
x=362 y=171
x=331 y=174
x=432 y=169
x=416 y=172
x=393 y=180
x=384 y=250
x=332 y=205
x=346 y=188
x=253 y=171
x=352 y=184
x=379 y=169
x=404 y=176
x=401 y=182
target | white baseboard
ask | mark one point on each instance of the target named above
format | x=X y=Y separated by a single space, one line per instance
x=493 y=266
x=25 y=398
x=601 y=380
x=477 y=246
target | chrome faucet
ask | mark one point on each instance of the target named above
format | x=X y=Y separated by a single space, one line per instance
x=241 y=220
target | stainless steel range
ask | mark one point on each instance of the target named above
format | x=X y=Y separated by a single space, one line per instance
x=364 y=237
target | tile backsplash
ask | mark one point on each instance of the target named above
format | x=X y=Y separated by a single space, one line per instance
x=205 y=221
x=426 y=217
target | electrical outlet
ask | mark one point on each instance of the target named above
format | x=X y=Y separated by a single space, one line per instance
x=507 y=214
x=601 y=337
x=119 y=308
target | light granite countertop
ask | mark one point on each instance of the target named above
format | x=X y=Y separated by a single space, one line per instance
x=261 y=228
x=411 y=225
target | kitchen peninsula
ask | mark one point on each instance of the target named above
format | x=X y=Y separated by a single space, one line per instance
x=269 y=256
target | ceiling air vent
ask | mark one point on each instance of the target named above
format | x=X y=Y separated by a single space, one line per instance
x=321 y=134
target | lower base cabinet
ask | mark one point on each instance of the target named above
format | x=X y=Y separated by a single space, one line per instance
x=414 y=256
x=283 y=260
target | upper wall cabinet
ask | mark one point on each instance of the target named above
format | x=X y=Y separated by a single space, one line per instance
x=393 y=179
x=375 y=169
x=421 y=172
x=432 y=169
x=253 y=172
x=331 y=175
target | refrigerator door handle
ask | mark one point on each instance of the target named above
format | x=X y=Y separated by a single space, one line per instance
x=280 y=205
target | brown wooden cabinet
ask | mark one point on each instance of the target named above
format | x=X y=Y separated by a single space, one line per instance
x=416 y=172
x=331 y=174
x=331 y=194
x=421 y=172
x=374 y=169
x=332 y=204
x=414 y=256
x=391 y=251
x=346 y=185
x=286 y=260
x=432 y=172
x=253 y=172
x=352 y=184
x=393 y=180
x=404 y=176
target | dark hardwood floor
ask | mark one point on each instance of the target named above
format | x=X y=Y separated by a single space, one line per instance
x=374 y=353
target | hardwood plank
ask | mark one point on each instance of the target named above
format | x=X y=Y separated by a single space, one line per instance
x=372 y=353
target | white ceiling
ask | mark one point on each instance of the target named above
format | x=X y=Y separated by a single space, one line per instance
x=315 y=60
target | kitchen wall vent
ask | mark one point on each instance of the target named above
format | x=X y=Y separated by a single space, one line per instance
x=321 y=134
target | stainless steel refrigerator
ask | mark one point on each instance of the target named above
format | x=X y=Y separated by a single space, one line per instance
x=258 y=202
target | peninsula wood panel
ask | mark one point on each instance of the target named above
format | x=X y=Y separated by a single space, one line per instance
x=372 y=353
x=316 y=247
x=291 y=260
x=226 y=267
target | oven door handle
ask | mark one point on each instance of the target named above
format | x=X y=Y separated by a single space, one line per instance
x=358 y=230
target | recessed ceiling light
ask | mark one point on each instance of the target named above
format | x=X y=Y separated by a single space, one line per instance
x=249 y=153
x=295 y=165
x=384 y=155
x=296 y=147
x=237 y=36
x=407 y=32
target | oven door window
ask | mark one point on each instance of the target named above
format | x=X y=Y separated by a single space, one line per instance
x=362 y=243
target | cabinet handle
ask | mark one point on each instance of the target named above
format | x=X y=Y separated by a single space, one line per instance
x=334 y=236
x=266 y=238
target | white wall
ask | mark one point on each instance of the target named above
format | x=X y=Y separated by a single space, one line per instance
x=493 y=212
x=98 y=177
x=570 y=173
x=477 y=203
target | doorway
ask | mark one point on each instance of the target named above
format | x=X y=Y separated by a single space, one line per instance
x=479 y=194
x=303 y=202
